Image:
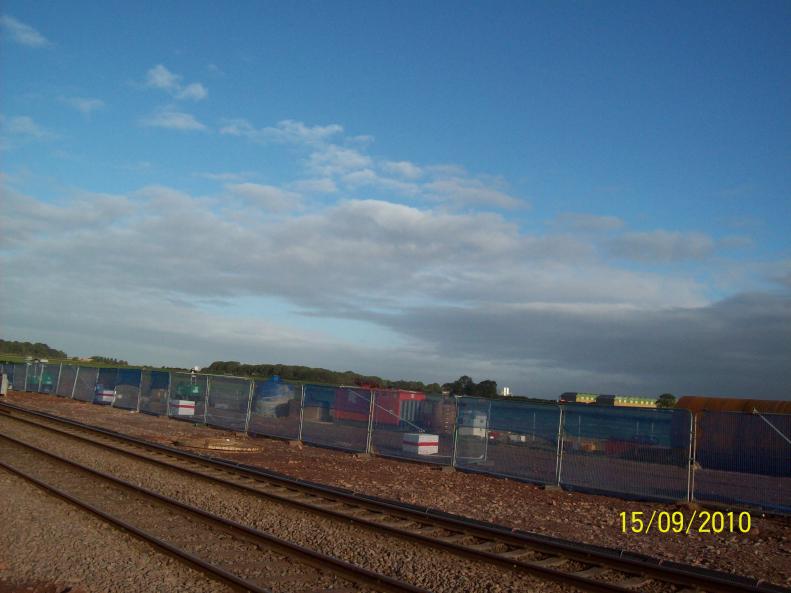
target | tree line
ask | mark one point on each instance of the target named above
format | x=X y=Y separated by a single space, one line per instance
x=462 y=386
x=35 y=349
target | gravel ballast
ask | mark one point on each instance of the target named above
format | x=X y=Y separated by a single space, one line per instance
x=46 y=540
x=372 y=549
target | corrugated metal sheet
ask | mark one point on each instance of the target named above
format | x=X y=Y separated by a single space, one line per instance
x=695 y=403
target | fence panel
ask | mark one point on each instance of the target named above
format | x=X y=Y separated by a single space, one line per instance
x=413 y=425
x=275 y=409
x=33 y=376
x=85 y=385
x=744 y=458
x=68 y=373
x=19 y=376
x=227 y=402
x=8 y=371
x=188 y=396
x=104 y=392
x=127 y=388
x=154 y=389
x=48 y=378
x=336 y=417
x=506 y=438
x=630 y=452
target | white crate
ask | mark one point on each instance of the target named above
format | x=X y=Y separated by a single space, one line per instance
x=420 y=443
x=182 y=407
x=106 y=396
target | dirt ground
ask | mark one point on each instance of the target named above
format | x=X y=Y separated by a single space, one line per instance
x=764 y=552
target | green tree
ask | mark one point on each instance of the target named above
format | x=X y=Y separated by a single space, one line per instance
x=666 y=400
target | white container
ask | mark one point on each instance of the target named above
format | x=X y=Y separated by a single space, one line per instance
x=105 y=396
x=182 y=407
x=420 y=443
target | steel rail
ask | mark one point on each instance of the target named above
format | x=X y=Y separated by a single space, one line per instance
x=305 y=555
x=632 y=564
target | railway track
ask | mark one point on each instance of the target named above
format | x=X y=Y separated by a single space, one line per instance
x=584 y=567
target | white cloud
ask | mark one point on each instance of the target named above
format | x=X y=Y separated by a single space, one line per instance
x=461 y=292
x=318 y=186
x=173 y=120
x=287 y=131
x=661 y=246
x=237 y=127
x=24 y=126
x=22 y=33
x=331 y=160
x=267 y=196
x=84 y=105
x=403 y=169
x=195 y=91
x=228 y=176
x=20 y=129
x=583 y=222
x=159 y=77
x=471 y=192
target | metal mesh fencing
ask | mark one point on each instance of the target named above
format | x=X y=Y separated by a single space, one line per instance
x=472 y=426
x=85 y=383
x=32 y=376
x=104 y=392
x=275 y=409
x=336 y=417
x=127 y=388
x=48 y=378
x=506 y=438
x=8 y=371
x=65 y=386
x=743 y=458
x=227 y=402
x=413 y=425
x=632 y=452
x=188 y=396
x=154 y=389
x=19 y=377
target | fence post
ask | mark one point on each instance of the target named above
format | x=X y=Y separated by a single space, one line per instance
x=370 y=420
x=24 y=385
x=455 y=433
x=206 y=398
x=74 y=385
x=95 y=381
x=249 y=407
x=167 y=395
x=693 y=452
x=57 y=383
x=40 y=376
x=139 y=391
x=301 y=412
x=559 y=453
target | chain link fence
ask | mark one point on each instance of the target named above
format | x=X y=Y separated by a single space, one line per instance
x=276 y=409
x=154 y=391
x=743 y=458
x=127 y=388
x=666 y=455
x=413 y=425
x=636 y=452
x=228 y=402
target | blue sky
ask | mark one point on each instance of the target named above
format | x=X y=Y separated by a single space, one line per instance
x=408 y=189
